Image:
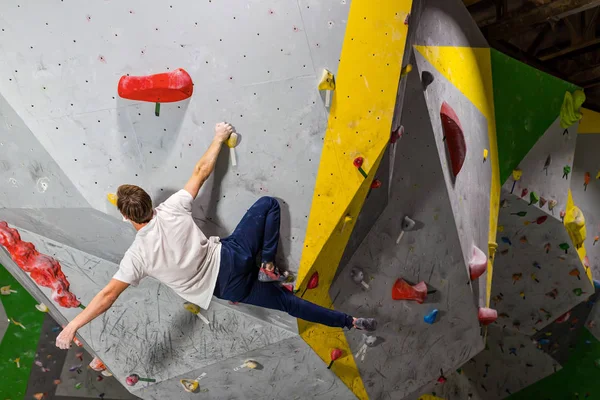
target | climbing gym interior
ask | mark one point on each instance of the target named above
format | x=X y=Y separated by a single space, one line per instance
x=428 y=157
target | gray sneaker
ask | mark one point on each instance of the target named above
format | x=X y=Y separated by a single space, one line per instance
x=366 y=324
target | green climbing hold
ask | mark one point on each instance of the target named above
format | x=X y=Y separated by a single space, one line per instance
x=564 y=246
x=577 y=291
x=520 y=213
x=533 y=198
x=569 y=112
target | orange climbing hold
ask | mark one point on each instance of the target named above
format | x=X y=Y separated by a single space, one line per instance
x=403 y=291
x=165 y=87
x=455 y=138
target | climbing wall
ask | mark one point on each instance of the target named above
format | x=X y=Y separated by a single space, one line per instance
x=412 y=347
x=586 y=196
x=538 y=270
x=62 y=111
x=260 y=75
x=510 y=362
x=408 y=349
x=148 y=332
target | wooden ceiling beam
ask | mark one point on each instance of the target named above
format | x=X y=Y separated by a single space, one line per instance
x=569 y=50
x=522 y=21
x=587 y=75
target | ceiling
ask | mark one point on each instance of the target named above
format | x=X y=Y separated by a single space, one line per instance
x=560 y=37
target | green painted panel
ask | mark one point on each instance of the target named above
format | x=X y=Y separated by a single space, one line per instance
x=577 y=379
x=527 y=101
x=18 y=342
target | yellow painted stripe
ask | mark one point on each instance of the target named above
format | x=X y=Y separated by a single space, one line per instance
x=359 y=124
x=470 y=70
x=590 y=123
x=324 y=338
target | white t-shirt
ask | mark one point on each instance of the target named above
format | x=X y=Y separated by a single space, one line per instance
x=172 y=249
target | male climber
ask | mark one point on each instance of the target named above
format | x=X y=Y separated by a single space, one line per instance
x=170 y=247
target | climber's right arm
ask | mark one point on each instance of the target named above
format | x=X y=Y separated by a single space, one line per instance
x=99 y=304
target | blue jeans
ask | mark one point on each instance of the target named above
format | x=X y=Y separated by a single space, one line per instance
x=238 y=274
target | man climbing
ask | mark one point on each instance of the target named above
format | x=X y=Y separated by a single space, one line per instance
x=170 y=247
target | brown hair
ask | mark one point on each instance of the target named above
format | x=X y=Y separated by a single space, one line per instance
x=134 y=203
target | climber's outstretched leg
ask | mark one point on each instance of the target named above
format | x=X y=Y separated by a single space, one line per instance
x=275 y=297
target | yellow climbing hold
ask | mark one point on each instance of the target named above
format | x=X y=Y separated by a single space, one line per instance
x=485 y=154
x=500 y=228
x=327 y=81
x=429 y=397
x=575 y=225
x=598 y=175
x=406 y=70
x=42 y=307
x=570 y=110
x=112 y=198
x=516 y=174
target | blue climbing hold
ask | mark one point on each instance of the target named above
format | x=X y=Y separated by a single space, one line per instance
x=506 y=240
x=430 y=318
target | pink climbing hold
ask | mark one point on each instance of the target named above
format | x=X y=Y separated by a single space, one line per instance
x=403 y=291
x=478 y=263
x=524 y=192
x=487 y=315
x=132 y=379
x=455 y=138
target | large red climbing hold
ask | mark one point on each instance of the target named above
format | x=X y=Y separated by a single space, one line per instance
x=487 y=315
x=403 y=291
x=455 y=138
x=166 y=87
x=44 y=270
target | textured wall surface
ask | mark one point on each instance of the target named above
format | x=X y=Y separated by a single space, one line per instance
x=148 y=331
x=407 y=349
x=259 y=74
x=534 y=284
x=588 y=198
x=255 y=65
x=510 y=362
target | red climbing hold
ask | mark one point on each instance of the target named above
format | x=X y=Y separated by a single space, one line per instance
x=487 y=315
x=166 y=87
x=43 y=269
x=376 y=184
x=455 y=138
x=563 y=318
x=312 y=283
x=358 y=162
x=403 y=291
x=335 y=354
